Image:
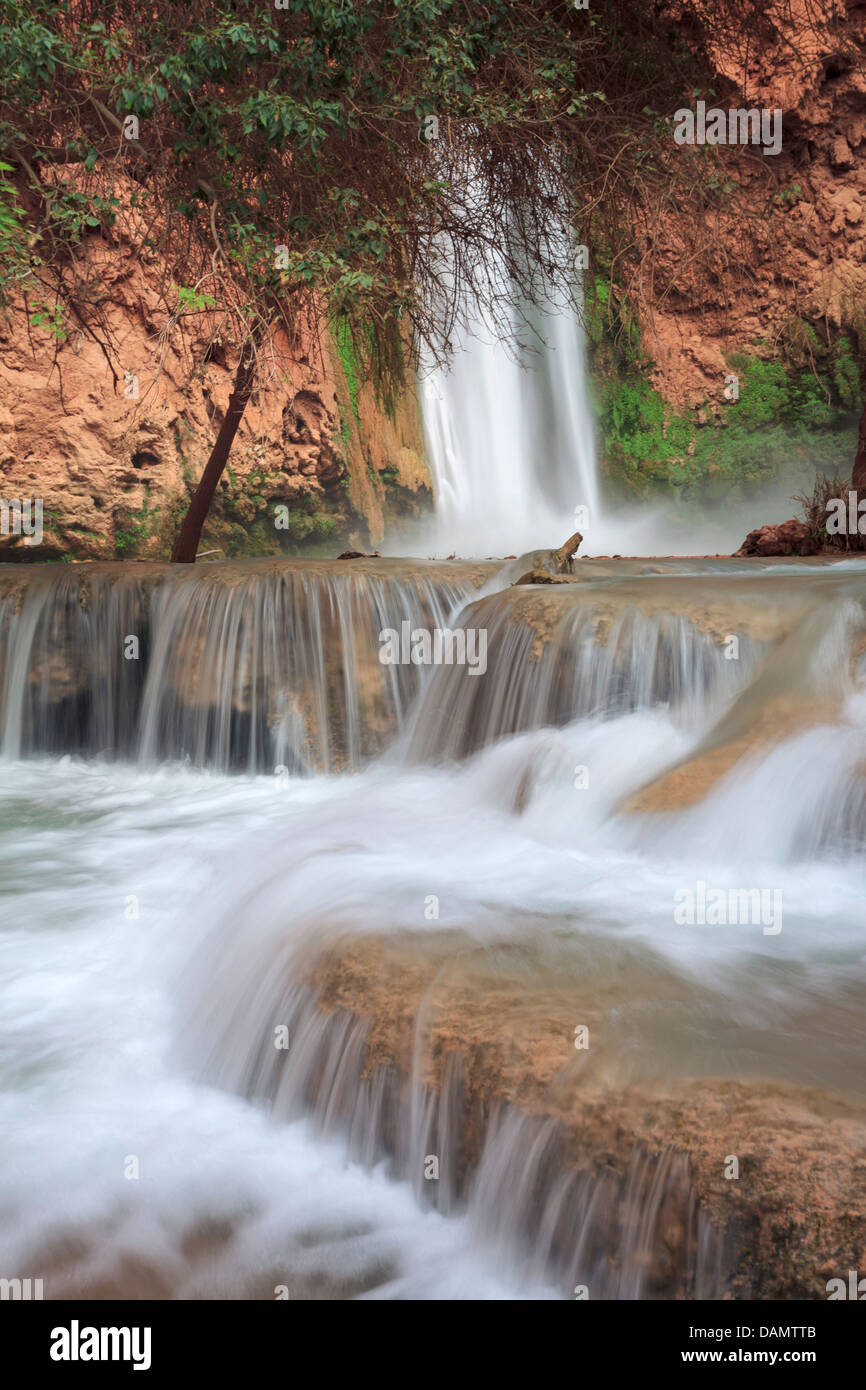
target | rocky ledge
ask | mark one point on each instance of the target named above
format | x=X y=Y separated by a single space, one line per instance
x=656 y=1153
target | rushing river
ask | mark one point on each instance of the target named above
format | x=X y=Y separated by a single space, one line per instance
x=178 y=833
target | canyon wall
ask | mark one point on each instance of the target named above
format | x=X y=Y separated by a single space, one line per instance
x=801 y=253
x=110 y=421
x=738 y=352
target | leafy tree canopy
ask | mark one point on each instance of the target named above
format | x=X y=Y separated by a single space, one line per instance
x=303 y=127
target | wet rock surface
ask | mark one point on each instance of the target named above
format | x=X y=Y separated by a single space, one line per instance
x=797 y=1208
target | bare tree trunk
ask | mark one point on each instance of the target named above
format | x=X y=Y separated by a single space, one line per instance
x=187 y=543
x=858 y=477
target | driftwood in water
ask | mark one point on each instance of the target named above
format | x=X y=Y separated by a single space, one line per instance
x=550 y=566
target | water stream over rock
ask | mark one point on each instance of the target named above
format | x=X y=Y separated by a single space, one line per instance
x=495 y=861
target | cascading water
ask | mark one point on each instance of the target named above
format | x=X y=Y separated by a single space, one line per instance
x=425 y=934
x=251 y=666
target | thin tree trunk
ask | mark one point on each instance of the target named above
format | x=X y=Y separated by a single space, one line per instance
x=187 y=543
x=858 y=477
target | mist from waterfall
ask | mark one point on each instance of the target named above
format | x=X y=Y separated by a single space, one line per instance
x=510 y=435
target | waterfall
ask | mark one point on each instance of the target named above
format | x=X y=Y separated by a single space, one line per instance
x=336 y=1018
x=508 y=426
x=260 y=666
x=554 y=659
x=253 y=666
x=509 y=430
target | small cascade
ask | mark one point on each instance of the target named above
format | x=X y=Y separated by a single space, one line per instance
x=257 y=666
x=640 y=1234
x=244 y=666
x=285 y=671
x=67 y=686
x=555 y=656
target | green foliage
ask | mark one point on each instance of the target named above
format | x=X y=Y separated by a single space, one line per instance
x=785 y=413
x=13 y=261
x=194 y=300
x=51 y=317
x=299 y=128
x=343 y=340
x=242 y=517
x=641 y=428
x=612 y=326
x=71 y=213
x=310 y=527
x=308 y=522
x=131 y=536
x=846 y=374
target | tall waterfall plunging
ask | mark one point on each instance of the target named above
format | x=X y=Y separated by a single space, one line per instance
x=509 y=428
x=509 y=431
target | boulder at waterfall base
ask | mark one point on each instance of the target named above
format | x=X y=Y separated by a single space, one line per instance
x=780 y=538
